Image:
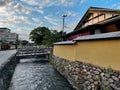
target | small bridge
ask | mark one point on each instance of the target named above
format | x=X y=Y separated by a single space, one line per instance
x=33 y=52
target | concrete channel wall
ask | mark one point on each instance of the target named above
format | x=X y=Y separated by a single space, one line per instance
x=7 y=67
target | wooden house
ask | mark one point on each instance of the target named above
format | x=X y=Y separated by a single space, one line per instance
x=95 y=21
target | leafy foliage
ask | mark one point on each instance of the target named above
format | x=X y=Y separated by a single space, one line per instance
x=119 y=12
x=24 y=42
x=45 y=36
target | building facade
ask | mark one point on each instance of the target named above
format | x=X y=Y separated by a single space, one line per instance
x=6 y=35
x=95 y=21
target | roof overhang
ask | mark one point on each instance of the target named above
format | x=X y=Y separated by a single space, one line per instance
x=94 y=26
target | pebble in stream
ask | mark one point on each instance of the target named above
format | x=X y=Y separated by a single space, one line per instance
x=37 y=76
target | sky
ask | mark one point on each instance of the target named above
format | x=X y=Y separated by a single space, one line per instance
x=22 y=16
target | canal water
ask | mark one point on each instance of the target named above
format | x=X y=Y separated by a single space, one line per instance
x=32 y=74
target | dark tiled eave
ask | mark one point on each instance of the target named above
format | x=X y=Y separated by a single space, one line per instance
x=105 y=36
x=112 y=35
x=103 y=9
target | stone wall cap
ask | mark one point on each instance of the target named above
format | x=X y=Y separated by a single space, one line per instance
x=65 y=43
x=111 y=35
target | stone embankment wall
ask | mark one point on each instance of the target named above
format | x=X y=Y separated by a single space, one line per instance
x=6 y=72
x=90 y=62
x=85 y=76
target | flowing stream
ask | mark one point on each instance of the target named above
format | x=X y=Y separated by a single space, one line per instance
x=32 y=74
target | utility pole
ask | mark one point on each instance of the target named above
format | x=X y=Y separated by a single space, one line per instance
x=65 y=15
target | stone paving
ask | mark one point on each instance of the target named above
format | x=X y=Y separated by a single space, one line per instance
x=5 y=55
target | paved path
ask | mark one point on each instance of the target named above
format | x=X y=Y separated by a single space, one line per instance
x=5 y=55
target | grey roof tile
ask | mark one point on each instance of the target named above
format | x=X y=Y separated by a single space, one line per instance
x=65 y=43
x=99 y=36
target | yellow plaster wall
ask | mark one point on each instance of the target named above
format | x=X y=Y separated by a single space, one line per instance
x=65 y=51
x=104 y=53
x=108 y=15
x=96 y=20
x=101 y=18
x=95 y=14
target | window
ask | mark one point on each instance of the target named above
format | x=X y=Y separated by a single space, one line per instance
x=97 y=31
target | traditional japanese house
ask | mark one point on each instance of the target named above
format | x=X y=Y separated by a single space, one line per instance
x=92 y=50
x=95 y=21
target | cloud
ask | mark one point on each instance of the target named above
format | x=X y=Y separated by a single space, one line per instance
x=39 y=6
x=63 y=1
x=116 y=6
x=35 y=19
x=67 y=2
x=51 y=20
x=10 y=6
x=21 y=9
x=40 y=11
x=23 y=32
x=82 y=1
x=71 y=13
x=5 y=2
x=35 y=9
x=68 y=27
x=24 y=37
x=15 y=14
x=21 y=16
x=48 y=3
x=14 y=20
x=30 y=2
x=6 y=7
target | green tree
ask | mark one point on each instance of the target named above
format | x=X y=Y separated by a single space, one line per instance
x=56 y=36
x=38 y=34
x=24 y=42
x=44 y=36
x=18 y=42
